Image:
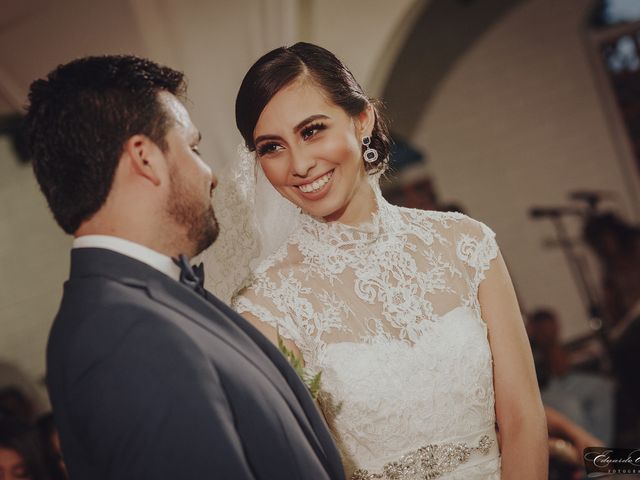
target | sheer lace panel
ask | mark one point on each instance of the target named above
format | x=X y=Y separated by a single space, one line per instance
x=392 y=279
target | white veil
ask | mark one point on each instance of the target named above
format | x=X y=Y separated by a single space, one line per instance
x=254 y=221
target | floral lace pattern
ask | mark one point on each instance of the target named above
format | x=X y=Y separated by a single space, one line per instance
x=389 y=312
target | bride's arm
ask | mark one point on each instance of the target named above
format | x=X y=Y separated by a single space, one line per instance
x=519 y=410
x=270 y=332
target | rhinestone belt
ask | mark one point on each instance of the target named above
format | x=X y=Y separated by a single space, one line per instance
x=428 y=462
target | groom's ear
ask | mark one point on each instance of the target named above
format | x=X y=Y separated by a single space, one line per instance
x=145 y=157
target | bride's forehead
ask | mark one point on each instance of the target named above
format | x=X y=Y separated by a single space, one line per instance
x=295 y=102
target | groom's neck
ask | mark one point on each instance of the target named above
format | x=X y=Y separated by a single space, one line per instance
x=161 y=240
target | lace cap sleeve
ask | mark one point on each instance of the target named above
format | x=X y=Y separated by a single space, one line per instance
x=264 y=299
x=476 y=246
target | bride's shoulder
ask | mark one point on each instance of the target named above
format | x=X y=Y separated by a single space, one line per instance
x=449 y=227
x=433 y=215
x=447 y=220
x=276 y=271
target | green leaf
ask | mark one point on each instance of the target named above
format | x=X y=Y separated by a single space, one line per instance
x=314 y=384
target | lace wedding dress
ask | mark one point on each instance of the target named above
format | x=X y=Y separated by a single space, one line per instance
x=388 y=311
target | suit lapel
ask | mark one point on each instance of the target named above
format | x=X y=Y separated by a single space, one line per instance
x=179 y=298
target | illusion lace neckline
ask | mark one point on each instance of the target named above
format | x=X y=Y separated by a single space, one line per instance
x=336 y=233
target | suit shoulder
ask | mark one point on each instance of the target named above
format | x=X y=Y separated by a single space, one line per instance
x=82 y=339
x=105 y=310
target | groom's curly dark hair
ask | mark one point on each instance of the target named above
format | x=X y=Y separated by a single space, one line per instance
x=78 y=120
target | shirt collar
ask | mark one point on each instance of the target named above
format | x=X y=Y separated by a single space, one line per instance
x=154 y=259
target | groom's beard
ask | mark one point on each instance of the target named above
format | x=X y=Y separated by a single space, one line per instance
x=193 y=212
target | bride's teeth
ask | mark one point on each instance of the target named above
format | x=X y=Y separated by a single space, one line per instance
x=315 y=185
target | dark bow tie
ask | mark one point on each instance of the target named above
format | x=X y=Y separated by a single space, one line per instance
x=191 y=276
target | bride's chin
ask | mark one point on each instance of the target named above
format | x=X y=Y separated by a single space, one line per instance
x=320 y=208
x=326 y=211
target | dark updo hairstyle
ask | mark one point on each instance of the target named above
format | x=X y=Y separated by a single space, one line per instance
x=280 y=67
x=78 y=120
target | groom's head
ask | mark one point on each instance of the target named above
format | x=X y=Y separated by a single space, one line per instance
x=115 y=152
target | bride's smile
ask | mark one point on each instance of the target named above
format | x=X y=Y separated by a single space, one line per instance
x=316 y=187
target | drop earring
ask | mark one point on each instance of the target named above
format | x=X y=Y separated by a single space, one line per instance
x=370 y=155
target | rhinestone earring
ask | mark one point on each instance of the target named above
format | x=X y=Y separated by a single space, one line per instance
x=370 y=155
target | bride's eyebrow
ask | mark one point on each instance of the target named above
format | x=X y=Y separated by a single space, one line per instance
x=296 y=129
x=262 y=138
x=308 y=120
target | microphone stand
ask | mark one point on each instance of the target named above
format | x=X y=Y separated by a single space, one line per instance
x=578 y=269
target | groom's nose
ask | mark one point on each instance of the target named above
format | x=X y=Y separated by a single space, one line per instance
x=214 y=183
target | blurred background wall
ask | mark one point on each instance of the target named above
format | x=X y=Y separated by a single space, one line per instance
x=503 y=100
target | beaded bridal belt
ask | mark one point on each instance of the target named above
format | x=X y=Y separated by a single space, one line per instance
x=431 y=461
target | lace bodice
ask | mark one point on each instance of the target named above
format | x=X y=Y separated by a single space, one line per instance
x=389 y=312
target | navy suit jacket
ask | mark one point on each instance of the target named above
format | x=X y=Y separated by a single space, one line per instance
x=149 y=380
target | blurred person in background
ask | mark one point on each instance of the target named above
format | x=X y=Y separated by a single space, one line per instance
x=616 y=244
x=567 y=441
x=13 y=401
x=20 y=451
x=587 y=399
x=52 y=452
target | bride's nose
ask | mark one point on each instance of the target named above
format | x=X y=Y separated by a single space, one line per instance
x=301 y=163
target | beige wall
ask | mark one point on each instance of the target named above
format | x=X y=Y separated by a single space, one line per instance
x=33 y=265
x=519 y=121
x=365 y=34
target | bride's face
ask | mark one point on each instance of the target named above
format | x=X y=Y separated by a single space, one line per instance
x=310 y=150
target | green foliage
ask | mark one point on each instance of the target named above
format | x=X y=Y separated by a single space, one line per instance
x=313 y=383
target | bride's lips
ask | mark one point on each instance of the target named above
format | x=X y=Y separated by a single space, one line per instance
x=327 y=178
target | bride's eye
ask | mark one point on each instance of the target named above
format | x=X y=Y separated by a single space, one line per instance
x=267 y=148
x=195 y=149
x=311 y=130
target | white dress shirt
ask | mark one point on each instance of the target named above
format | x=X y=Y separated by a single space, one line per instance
x=154 y=259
